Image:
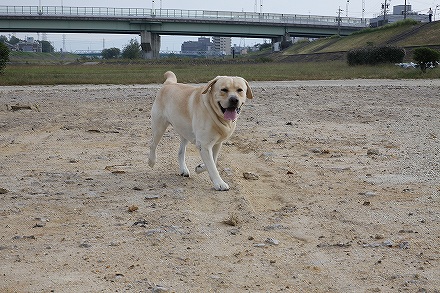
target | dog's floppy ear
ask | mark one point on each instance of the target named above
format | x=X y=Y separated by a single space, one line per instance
x=249 y=93
x=209 y=85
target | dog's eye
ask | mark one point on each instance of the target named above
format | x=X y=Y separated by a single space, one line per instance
x=225 y=90
x=239 y=90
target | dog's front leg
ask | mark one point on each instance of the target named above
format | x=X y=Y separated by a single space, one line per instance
x=208 y=160
x=215 y=150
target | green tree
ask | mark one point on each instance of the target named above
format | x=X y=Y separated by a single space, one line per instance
x=3 y=39
x=265 y=46
x=425 y=57
x=14 y=40
x=4 y=56
x=110 y=53
x=132 y=50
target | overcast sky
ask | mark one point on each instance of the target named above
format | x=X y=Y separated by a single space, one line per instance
x=172 y=43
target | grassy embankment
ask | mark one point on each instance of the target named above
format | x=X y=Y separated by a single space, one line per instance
x=195 y=73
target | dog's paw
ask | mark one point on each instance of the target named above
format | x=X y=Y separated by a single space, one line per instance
x=200 y=168
x=184 y=173
x=221 y=186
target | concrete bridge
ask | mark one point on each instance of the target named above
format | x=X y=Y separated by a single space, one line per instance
x=151 y=23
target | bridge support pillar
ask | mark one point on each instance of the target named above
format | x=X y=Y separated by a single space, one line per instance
x=150 y=44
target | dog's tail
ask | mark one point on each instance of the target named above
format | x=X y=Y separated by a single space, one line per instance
x=170 y=77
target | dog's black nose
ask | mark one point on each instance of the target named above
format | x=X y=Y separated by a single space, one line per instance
x=233 y=102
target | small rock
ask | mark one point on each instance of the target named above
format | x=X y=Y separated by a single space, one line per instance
x=23 y=237
x=141 y=223
x=85 y=245
x=315 y=150
x=39 y=225
x=274 y=227
x=404 y=245
x=159 y=289
x=259 y=245
x=3 y=191
x=250 y=176
x=272 y=241
x=132 y=208
x=234 y=231
x=373 y=152
x=368 y=193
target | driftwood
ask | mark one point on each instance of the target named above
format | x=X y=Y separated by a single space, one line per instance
x=18 y=107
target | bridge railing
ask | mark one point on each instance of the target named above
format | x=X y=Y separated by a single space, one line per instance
x=226 y=16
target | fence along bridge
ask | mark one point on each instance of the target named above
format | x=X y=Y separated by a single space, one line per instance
x=151 y=23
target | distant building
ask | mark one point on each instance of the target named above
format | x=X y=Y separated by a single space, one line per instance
x=29 y=45
x=203 y=46
x=222 y=45
x=398 y=14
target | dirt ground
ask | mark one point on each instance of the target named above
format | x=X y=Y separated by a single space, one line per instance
x=345 y=199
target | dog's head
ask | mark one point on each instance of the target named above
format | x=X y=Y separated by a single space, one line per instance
x=229 y=94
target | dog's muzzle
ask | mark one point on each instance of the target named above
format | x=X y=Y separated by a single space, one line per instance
x=230 y=113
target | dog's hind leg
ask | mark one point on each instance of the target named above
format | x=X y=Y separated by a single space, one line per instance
x=158 y=128
x=183 y=168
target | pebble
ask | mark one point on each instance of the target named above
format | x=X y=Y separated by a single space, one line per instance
x=368 y=193
x=159 y=289
x=141 y=223
x=404 y=245
x=250 y=176
x=85 y=245
x=132 y=208
x=272 y=241
x=373 y=152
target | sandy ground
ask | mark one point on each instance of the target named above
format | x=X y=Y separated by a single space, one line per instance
x=346 y=199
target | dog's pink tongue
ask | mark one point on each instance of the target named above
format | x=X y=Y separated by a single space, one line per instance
x=230 y=114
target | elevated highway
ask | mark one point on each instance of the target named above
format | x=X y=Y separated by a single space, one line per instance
x=151 y=23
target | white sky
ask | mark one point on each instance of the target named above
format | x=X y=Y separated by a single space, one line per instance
x=172 y=43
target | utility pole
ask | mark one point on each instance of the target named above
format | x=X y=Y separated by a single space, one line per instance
x=385 y=9
x=339 y=20
x=404 y=11
x=346 y=8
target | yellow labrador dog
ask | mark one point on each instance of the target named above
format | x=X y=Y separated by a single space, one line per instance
x=205 y=116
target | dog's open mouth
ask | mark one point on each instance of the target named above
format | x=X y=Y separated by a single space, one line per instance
x=230 y=113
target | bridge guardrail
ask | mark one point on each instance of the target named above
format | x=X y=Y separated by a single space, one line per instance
x=181 y=14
